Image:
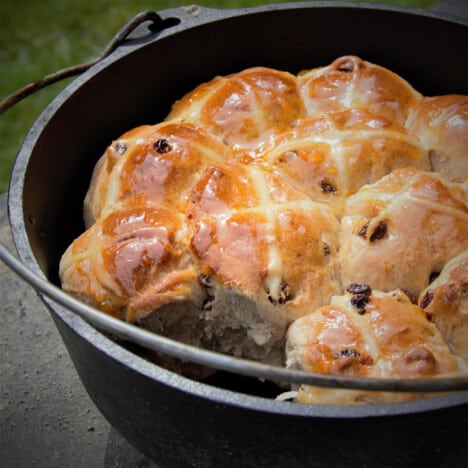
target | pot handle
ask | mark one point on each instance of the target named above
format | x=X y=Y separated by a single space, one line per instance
x=157 y=24
x=220 y=361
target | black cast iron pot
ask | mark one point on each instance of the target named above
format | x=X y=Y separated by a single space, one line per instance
x=232 y=420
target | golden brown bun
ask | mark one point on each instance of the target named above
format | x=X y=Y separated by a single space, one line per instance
x=331 y=156
x=154 y=165
x=352 y=83
x=244 y=109
x=131 y=261
x=383 y=335
x=261 y=237
x=445 y=301
x=441 y=124
x=401 y=229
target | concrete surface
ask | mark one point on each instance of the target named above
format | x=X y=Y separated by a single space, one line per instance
x=46 y=417
x=452 y=7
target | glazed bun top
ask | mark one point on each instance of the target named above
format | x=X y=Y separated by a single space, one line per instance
x=151 y=165
x=352 y=83
x=402 y=229
x=441 y=124
x=256 y=233
x=244 y=109
x=330 y=156
x=369 y=334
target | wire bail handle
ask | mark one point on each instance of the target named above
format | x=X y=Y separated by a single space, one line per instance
x=157 y=24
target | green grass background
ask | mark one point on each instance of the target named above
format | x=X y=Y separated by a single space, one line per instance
x=38 y=37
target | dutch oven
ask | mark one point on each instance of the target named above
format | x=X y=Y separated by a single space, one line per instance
x=233 y=419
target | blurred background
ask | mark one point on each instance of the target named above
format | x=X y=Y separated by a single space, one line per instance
x=40 y=37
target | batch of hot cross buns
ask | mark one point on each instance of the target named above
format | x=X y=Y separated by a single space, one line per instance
x=317 y=221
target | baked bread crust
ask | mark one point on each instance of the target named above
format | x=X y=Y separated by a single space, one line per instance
x=151 y=165
x=352 y=83
x=441 y=124
x=332 y=155
x=445 y=301
x=401 y=229
x=244 y=109
x=258 y=235
x=385 y=336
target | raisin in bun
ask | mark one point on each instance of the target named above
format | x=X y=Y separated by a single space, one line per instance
x=401 y=229
x=352 y=83
x=445 y=301
x=366 y=334
x=441 y=124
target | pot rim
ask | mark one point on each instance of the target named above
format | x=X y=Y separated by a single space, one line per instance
x=241 y=400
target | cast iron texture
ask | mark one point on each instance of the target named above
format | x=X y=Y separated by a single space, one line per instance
x=178 y=422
